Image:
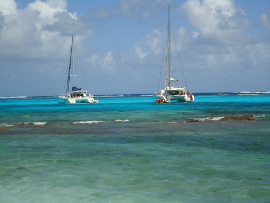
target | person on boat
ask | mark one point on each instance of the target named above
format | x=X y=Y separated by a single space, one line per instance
x=190 y=95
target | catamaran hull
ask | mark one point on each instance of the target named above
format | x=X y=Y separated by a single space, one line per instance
x=180 y=98
x=173 y=95
x=173 y=98
x=66 y=100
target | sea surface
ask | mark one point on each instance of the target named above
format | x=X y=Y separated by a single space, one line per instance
x=129 y=149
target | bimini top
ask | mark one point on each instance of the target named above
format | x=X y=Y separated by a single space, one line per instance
x=76 y=89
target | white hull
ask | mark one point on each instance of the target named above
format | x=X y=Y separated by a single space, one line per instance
x=180 y=98
x=76 y=100
x=173 y=98
x=173 y=95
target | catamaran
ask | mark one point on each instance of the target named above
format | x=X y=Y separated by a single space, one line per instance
x=170 y=93
x=76 y=95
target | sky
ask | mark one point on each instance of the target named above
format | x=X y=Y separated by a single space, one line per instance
x=223 y=45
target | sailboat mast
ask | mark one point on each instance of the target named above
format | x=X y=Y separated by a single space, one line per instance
x=71 y=64
x=72 y=55
x=168 y=58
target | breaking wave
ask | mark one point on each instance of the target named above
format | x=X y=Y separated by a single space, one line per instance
x=86 y=122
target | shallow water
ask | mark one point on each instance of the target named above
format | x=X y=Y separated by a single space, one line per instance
x=129 y=149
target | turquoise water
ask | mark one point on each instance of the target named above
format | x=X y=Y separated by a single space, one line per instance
x=130 y=149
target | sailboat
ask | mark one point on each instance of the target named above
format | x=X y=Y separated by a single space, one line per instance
x=171 y=93
x=76 y=95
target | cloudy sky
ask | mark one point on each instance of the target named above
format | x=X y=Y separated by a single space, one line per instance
x=224 y=45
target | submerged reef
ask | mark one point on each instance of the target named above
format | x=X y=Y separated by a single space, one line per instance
x=247 y=117
x=3 y=129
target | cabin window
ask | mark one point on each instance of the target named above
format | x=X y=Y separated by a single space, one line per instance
x=173 y=92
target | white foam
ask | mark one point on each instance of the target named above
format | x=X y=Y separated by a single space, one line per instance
x=23 y=123
x=14 y=97
x=34 y=123
x=121 y=120
x=262 y=116
x=5 y=125
x=248 y=94
x=209 y=119
x=255 y=93
x=245 y=92
x=39 y=123
x=217 y=118
x=86 y=122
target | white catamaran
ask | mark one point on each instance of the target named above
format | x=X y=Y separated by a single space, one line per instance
x=77 y=95
x=170 y=93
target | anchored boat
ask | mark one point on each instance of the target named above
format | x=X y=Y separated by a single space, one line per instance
x=170 y=93
x=76 y=95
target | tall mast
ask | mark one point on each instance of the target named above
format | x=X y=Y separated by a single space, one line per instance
x=168 y=58
x=71 y=64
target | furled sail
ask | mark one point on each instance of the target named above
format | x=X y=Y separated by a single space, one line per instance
x=70 y=64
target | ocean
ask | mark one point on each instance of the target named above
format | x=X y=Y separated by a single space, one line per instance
x=129 y=149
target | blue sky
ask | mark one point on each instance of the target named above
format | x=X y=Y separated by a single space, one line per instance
x=224 y=45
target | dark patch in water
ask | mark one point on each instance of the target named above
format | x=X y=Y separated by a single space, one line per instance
x=247 y=117
x=21 y=168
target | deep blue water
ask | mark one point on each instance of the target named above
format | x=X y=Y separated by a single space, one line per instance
x=130 y=149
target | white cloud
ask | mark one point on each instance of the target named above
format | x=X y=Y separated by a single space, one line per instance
x=48 y=9
x=106 y=63
x=266 y=19
x=151 y=43
x=219 y=21
x=155 y=39
x=27 y=29
x=139 y=52
x=8 y=7
x=220 y=41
